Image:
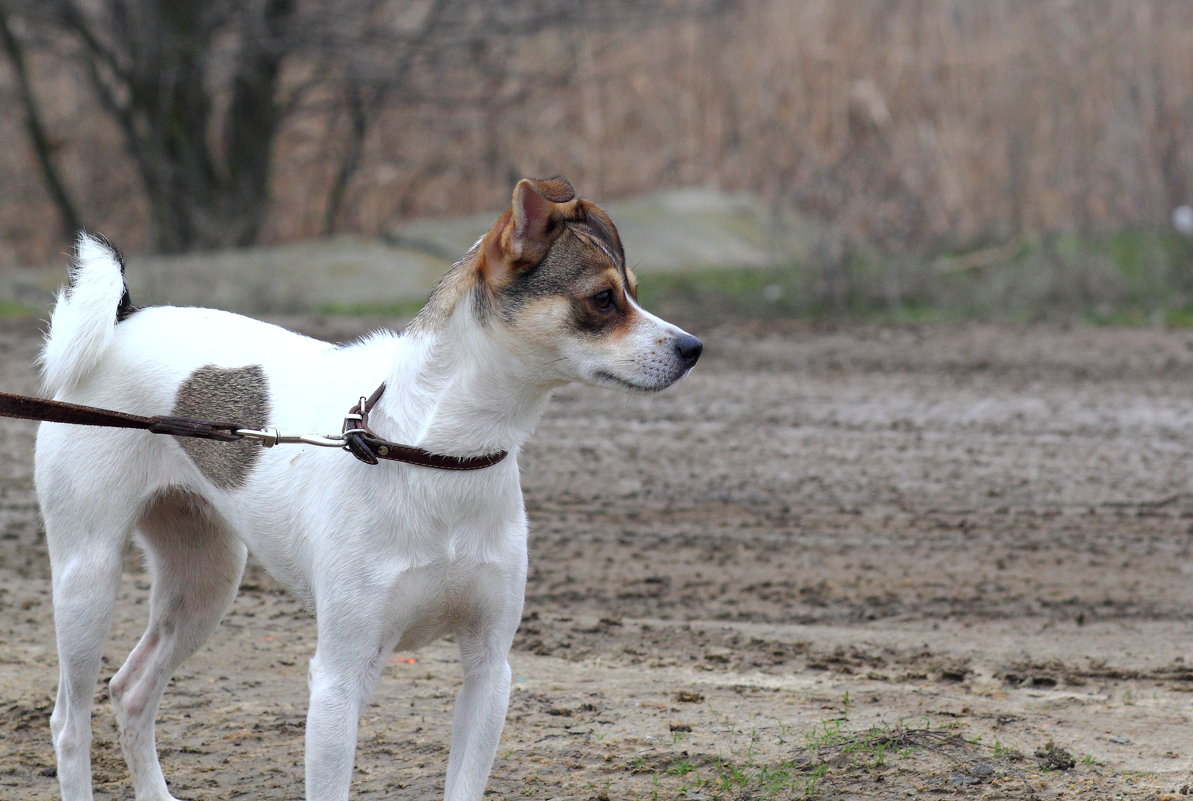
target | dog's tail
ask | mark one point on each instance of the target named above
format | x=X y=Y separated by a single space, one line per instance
x=85 y=314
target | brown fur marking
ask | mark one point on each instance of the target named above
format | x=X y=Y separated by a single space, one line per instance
x=557 y=189
x=238 y=394
x=566 y=247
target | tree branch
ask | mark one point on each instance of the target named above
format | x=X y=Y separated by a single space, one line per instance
x=67 y=210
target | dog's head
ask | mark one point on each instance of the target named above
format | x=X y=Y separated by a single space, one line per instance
x=553 y=275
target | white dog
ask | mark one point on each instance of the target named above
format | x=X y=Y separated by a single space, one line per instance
x=390 y=556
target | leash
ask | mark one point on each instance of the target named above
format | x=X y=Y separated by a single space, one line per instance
x=356 y=437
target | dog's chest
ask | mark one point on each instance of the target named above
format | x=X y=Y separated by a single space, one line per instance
x=409 y=552
x=433 y=600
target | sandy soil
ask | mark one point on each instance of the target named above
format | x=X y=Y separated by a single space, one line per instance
x=852 y=563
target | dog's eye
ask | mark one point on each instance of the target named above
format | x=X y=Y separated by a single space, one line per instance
x=603 y=301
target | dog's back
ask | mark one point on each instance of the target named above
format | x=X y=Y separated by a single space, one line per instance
x=101 y=350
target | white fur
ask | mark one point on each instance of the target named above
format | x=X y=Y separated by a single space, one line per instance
x=389 y=556
x=83 y=327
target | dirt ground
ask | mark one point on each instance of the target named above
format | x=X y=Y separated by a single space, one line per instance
x=839 y=563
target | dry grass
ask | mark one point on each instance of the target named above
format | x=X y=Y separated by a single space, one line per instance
x=912 y=123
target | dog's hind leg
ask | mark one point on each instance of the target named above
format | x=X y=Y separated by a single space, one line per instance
x=196 y=563
x=86 y=549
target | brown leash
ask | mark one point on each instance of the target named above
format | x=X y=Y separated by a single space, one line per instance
x=356 y=437
x=52 y=411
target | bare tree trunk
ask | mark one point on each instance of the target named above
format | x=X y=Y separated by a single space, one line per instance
x=350 y=163
x=157 y=89
x=252 y=123
x=67 y=211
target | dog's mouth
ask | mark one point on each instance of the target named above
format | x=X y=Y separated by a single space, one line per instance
x=608 y=379
x=616 y=381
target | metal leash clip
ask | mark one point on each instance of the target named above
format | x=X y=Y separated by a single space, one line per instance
x=354 y=423
x=271 y=436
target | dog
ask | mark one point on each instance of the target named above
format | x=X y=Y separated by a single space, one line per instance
x=389 y=557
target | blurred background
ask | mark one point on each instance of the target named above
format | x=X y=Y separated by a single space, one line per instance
x=905 y=159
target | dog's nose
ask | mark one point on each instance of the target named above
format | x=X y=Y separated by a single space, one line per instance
x=688 y=348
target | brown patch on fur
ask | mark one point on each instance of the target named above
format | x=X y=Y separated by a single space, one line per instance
x=239 y=394
x=557 y=189
x=596 y=223
x=465 y=276
x=539 y=212
x=588 y=318
x=524 y=234
x=493 y=261
x=541 y=320
x=547 y=242
x=631 y=283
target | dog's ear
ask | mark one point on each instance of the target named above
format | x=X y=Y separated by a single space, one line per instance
x=538 y=206
x=523 y=235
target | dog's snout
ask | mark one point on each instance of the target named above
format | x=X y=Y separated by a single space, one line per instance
x=688 y=348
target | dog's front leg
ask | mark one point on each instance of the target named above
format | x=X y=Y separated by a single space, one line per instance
x=480 y=711
x=344 y=673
